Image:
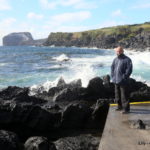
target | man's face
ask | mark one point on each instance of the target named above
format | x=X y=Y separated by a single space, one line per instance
x=119 y=51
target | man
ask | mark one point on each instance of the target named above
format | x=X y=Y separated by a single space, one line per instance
x=121 y=70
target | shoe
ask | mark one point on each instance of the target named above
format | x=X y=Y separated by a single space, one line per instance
x=125 y=112
x=118 y=109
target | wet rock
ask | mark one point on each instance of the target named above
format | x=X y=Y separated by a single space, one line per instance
x=9 y=141
x=75 y=116
x=142 y=94
x=75 y=84
x=108 y=86
x=31 y=117
x=69 y=94
x=60 y=89
x=139 y=124
x=82 y=142
x=19 y=94
x=96 y=88
x=134 y=85
x=12 y=92
x=61 y=82
x=39 y=143
x=99 y=114
x=106 y=79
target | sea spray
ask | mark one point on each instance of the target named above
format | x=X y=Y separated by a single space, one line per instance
x=40 y=67
x=62 y=57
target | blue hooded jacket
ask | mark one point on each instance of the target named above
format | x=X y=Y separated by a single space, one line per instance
x=121 y=69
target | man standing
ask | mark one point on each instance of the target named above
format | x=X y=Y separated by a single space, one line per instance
x=121 y=70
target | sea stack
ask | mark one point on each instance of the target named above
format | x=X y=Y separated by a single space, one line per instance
x=15 y=39
x=21 y=39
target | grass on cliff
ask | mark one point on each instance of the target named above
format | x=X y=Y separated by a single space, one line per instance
x=127 y=31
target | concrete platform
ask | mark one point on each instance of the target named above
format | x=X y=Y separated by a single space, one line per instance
x=118 y=134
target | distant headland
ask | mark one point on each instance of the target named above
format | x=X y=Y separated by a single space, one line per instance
x=136 y=36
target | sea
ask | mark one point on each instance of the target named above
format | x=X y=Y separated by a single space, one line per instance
x=36 y=67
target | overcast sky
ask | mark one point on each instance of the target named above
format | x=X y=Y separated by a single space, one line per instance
x=40 y=17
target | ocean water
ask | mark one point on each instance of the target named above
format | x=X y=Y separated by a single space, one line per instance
x=42 y=66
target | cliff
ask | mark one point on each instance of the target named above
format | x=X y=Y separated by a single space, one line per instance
x=21 y=38
x=135 y=36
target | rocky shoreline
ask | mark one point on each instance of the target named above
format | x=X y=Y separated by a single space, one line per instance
x=135 y=36
x=67 y=117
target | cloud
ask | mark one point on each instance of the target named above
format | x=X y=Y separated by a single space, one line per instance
x=70 y=17
x=142 y=6
x=48 y=5
x=70 y=2
x=117 y=13
x=79 y=4
x=32 y=15
x=4 y=5
x=66 y=22
x=7 y=22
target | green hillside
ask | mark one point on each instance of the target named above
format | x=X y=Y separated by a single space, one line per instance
x=104 y=37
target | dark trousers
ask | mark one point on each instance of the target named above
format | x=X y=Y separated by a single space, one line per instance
x=122 y=97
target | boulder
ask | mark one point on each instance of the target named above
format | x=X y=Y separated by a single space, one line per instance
x=28 y=116
x=96 y=88
x=19 y=94
x=9 y=141
x=139 y=124
x=82 y=142
x=61 y=89
x=39 y=143
x=143 y=94
x=69 y=94
x=61 y=82
x=99 y=114
x=75 y=116
x=108 y=86
x=13 y=91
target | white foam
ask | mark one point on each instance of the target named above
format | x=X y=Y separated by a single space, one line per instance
x=62 y=57
x=141 y=79
x=139 y=58
x=42 y=87
x=4 y=64
x=50 y=67
x=83 y=68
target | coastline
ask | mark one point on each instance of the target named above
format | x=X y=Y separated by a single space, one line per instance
x=147 y=49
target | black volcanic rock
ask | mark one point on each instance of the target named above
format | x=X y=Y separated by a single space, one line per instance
x=138 y=124
x=82 y=142
x=140 y=95
x=9 y=141
x=69 y=94
x=30 y=116
x=62 y=91
x=19 y=94
x=75 y=116
x=38 y=143
x=76 y=109
x=96 y=88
